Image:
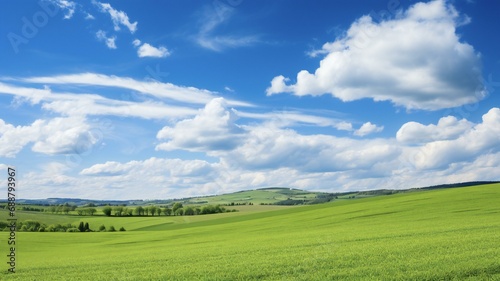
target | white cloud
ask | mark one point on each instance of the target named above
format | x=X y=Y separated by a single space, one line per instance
x=427 y=68
x=118 y=17
x=13 y=139
x=64 y=136
x=67 y=6
x=110 y=41
x=146 y=50
x=215 y=132
x=154 y=88
x=273 y=156
x=368 y=128
x=447 y=128
x=268 y=147
x=77 y=104
x=55 y=136
x=136 y=42
x=89 y=17
x=479 y=139
x=291 y=118
x=212 y=129
x=207 y=37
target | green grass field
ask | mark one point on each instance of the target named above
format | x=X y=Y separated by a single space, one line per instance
x=448 y=234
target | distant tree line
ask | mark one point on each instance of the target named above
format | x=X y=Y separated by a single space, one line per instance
x=62 y=208
x=35 y=226
x=238 y=204
x=31 y=209
x=86 y=211
x=176 y=210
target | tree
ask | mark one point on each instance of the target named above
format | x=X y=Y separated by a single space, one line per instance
x=102 y=228
x=189 y=211
x=92 y=211
x=66 y=209
x=107 y=211
x=112 y=229
x=176 y=206
x=179 y=212
x=122 y=228
x=139 y=211
x=81 y=227
x=158 y=211
x=118 y=211
x=87 y=228
x=167 y=211
x=152 y=210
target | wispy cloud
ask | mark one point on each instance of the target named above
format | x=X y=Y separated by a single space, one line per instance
x=110 y=41
x=78 y=104
x=68 y=6
x=118 y=17
x=207 y=36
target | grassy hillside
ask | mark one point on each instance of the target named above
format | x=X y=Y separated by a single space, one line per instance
x=258 y=196
x=448 y=234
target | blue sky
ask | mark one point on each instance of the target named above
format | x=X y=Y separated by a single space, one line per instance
x=167 y=99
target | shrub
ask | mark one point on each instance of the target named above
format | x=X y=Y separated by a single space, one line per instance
x=122 y=228
x=112 y=229
x=102 y=228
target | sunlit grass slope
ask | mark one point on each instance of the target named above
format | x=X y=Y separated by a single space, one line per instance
x=450 y=234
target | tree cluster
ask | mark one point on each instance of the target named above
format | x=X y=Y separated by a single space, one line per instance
x=238 y=204
x=102 y=228
x=62 y=208
x=86 y=211
x=177 y=210
x=31 y=209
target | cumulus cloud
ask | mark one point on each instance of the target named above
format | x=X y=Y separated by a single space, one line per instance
x=212 y=129
x=272 y=156
x=110 y=41
x=447 y=128
x=118 y=17
x=146 y=50
x=475 y=140
x=267 y=147
x=215 y=132
x=368 y=128
x=55 y=136
x=415 y=60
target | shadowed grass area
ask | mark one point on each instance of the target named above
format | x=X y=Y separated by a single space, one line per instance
x=449 y=234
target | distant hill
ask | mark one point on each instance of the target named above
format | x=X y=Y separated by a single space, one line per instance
x=261 y=196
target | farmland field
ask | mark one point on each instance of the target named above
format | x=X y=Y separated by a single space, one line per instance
x=446 y=234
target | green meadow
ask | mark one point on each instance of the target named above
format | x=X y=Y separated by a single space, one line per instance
x=445 y=234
